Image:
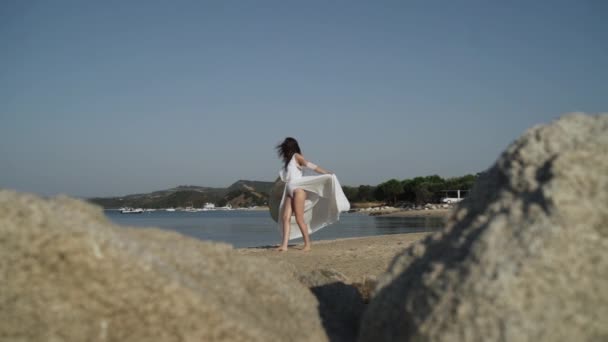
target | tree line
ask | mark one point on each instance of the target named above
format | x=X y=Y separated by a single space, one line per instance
x=417 y=190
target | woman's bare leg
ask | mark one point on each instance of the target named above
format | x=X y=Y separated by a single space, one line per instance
x=286 y=217
x=298 y=208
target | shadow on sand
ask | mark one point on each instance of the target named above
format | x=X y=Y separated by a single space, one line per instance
x=340 y=307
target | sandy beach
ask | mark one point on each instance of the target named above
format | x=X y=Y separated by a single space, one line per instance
x=356 y=258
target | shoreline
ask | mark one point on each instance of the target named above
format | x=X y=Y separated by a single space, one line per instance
x=441 y=213
x=358 y=258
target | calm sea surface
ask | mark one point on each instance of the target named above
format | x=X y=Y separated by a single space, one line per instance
x=256 y=228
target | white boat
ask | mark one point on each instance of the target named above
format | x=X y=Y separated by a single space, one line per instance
x=170 y=209
x=453 y=196
x=131 y=211
x=209 y=206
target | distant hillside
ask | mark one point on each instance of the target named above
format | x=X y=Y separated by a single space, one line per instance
x=242 y=193
x=257 y=185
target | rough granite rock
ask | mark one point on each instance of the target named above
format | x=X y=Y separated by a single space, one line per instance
x=70 y=275
x=523 y=258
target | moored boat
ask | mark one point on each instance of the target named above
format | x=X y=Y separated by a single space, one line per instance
x=131 y=210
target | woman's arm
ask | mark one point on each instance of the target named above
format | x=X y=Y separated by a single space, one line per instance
x=303 y=162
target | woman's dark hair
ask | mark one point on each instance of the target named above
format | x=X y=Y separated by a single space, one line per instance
x=287 y=149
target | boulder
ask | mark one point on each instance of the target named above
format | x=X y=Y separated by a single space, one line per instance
x=68 y=274
x=523 y=258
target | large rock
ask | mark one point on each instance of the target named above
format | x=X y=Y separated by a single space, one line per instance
x=522 y=259
x=69 y=275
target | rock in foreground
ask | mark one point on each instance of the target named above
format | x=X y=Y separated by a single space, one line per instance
x=522 y=259
x=70 y=275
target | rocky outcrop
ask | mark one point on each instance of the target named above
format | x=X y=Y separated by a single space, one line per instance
x=70 y=275
x=523 y=258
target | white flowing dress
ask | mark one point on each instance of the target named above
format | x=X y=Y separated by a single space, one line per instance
x=324 y=198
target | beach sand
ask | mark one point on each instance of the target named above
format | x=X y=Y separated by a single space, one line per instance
x=356 y=258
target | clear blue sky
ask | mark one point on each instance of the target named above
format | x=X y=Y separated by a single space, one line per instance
x=115 y=97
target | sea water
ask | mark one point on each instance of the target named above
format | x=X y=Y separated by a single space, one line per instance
x=248 y=228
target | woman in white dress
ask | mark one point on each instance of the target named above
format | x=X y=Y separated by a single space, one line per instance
x=315 y=200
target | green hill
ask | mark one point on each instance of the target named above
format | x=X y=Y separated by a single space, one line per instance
x=243 y=193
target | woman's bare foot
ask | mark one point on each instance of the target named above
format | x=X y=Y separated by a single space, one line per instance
x=281 y=249
x=306 y=248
